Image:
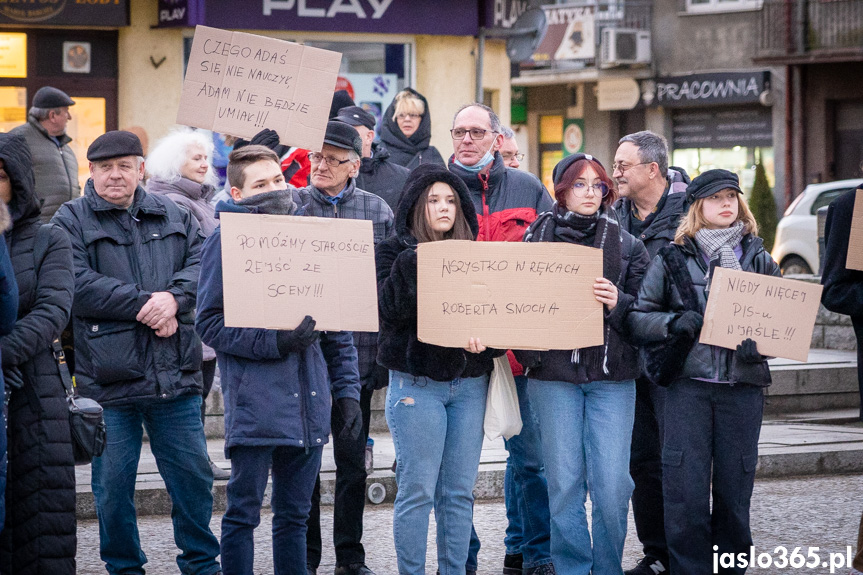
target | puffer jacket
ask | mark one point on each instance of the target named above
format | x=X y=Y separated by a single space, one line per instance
x=411 y=151
x=55 y=168
x=395 y=259
x=271 y=399
x=121 y=257
x=40 y=532
x=620 y=358
x=355 y=204
x=663 y=225
x=382 y=177
x=659 y=303
x=192 y=195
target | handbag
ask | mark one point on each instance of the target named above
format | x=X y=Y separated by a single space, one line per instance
x=502 y=414
x=664 y=360
x=89 y=432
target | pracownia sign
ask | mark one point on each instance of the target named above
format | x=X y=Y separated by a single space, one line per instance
x=711 y=89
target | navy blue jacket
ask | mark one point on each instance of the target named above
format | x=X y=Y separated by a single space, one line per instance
x=270 y=399
x=121 y=257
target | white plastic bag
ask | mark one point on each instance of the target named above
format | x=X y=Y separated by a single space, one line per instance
x=502 y=415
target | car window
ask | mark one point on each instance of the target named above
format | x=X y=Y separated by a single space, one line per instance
x=824 y=199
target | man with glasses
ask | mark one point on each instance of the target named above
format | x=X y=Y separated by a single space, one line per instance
x=651 y=204
x=507 y=201
x=333 y=194
x=509 y=149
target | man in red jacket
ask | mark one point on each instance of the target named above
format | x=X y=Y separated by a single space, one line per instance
x=507 y=201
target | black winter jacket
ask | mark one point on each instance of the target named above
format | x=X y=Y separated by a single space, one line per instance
x=843 y=288
x=620 y=357
x=121 y=257
x=659 y=303
x=411 y=151
x=396 y=263
x=40 y=532
x=382 y=177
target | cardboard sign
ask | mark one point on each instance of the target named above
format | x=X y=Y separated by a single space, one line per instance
x=777 y=313
x=239 y=84
x=510 y=295
x=855 y=239
x=278 y=269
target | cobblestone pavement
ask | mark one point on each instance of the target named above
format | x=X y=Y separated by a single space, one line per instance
x=805 y=512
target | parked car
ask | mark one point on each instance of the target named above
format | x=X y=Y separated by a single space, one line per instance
x=796 y=245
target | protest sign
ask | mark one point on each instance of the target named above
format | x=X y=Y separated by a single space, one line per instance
x=278 y=269
x=510 y=295
x=855 y=239
x=777 y=313
x=239 y=84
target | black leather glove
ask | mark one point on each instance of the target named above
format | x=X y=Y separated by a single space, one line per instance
x=352 y=417
x=688 y=323
x=13 y=377
x=747 y=352
x=379 y=378
x=295 y=340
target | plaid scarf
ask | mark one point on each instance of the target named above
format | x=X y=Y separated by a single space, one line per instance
x=718 y=246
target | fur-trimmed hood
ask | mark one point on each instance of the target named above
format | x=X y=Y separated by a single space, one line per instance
x=418 y=181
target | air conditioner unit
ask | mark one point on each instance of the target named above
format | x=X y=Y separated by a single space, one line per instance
x=623 y=46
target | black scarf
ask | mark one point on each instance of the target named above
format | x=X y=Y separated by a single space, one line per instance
x=278 y=202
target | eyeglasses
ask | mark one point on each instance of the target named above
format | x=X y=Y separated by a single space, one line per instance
x=475 y=133
x=621 y=167
x=581 y=188
x=408 y=115
x=508 y=157
x=316 y=158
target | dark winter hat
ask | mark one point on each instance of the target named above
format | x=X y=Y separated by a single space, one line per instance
x=113 y=145
x=710 y=182
x=565 y=163
x=341 y=135
x=48 y=97
x=356 y=116
x=341 y=99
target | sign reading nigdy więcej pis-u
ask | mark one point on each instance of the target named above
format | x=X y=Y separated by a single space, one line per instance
x=239 y=84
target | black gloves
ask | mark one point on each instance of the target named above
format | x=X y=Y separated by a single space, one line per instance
x=266 y=137
x=378 y=379
x=688 y=323
x=296 y=340
x=747 y=352
x=13 y=377
x=352 y=417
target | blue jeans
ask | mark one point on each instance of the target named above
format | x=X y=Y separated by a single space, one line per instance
x=586 y=432
x=295 y=471
x=178 y=444
x=525 y=489
x=711 y=441
x=437 y=433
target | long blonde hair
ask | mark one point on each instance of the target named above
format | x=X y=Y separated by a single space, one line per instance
x=694 y=219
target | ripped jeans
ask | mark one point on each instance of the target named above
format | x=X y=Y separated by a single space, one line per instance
x=437 y=431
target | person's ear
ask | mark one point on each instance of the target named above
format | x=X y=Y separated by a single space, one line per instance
x=141 y=172
x=236 y=193
x=498 y=142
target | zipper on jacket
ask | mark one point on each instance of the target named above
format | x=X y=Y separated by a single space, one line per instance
x=485 y=208
x=304 y=390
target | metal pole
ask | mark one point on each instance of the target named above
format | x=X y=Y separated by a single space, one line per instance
x=480 y=52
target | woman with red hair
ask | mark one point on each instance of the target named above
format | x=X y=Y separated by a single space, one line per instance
x=585 y=398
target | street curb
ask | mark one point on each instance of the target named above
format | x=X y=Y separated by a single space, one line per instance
x=154 y=500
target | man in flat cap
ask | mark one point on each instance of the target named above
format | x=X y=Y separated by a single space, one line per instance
x=333 y=193
x=54 y=163
x=137 y=260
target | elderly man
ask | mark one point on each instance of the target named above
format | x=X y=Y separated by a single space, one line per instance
x=377 y=174
x=333 y=193
x=650 y=208
x=137 y=260
x=54 y=164
x=507 y=201
x=509 y=149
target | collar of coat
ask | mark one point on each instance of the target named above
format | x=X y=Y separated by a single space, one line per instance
x=495 y=174
x=63 y=138
x=321 y=197
x=142 y=203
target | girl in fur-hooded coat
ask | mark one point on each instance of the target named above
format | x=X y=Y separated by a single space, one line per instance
x=39 y=536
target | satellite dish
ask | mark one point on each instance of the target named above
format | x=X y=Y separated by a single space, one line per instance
x=525 y=35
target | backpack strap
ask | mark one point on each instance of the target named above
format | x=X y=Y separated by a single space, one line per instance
x=40 y=245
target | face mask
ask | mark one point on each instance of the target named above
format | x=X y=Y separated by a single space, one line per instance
x=484 y=161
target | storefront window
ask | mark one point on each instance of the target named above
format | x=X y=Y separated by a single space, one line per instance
x=13 y=55
x=88 y=123
x=739 y=159
x=13 y=111
x=550 y=147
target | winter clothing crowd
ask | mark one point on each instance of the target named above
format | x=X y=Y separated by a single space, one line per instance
x=129 y=276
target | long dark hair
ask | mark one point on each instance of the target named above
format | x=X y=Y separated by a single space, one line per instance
x=423 y=232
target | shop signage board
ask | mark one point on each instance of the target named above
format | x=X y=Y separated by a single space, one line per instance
x=570 y=35
x=617 y=94
x=278 y=269
x=113 y=14
x=440 y=17
x=573 y=136
x=510 y=295
x=696 y=90
x=239 y=84
x=722 y=128
x=779 y=314
x=855 y=240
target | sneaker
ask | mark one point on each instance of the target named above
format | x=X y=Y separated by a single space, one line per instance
x=512 y=564
x=353 y=569
x=648 y=566
x=219 y=474
x=544 y=569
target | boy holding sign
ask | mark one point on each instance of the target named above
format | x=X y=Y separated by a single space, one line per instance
x=276 y=385
x=715 y=400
